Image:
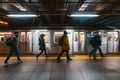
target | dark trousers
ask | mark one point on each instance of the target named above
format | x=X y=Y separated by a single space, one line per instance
x=67 y=54
x=95 y=48
x=42 y=52
x=13 y=50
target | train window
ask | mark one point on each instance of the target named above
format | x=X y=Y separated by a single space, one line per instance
x=115 y=36
x=110 y=36
x=75 y=36
x=4 y=35
x=57 y=36
x=29 y=36
x=22 y=37
x=81 y=36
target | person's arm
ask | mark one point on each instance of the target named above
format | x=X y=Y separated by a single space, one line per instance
x=65 y=41
x=14 y=41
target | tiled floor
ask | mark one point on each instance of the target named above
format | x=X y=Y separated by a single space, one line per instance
x=80 y=68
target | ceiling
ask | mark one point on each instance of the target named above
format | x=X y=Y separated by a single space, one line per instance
x=54 y=14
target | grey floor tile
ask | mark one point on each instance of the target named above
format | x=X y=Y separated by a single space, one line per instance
x=112 y=75
x=26 y=69
x=20 y=76
x=40 y=76
x=5 y=75
x=57 y=76
x=74 y=76
x=43 y=69
x=93 y=76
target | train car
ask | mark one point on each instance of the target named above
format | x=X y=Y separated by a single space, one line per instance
x=28 y=41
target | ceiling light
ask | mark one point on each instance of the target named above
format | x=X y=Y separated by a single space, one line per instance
x=20 y=7
x=84 y=15
x=85 y=5
x=22 y=15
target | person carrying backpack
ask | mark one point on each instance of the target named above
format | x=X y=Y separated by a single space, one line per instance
x=96 y=43
x=13 y=47
x=65 y=47
x=60 y=41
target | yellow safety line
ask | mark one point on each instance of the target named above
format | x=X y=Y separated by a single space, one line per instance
x=73 y=57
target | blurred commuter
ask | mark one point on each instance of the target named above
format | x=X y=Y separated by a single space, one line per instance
x=65 y=47
x=13 y=47
x=96 y=43
x=42 y=46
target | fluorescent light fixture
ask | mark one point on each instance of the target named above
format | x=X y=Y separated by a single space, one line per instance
x=22 y=15
x=20 y=7
x=84 y=5
x=84 y=15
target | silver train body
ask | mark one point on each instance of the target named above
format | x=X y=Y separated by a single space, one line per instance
x=78 y=39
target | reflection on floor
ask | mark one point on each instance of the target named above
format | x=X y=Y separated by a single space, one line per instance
x=80 y=68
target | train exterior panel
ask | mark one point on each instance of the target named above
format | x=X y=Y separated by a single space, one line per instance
x=78 y=39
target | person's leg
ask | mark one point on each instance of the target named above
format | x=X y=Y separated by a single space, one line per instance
x=91 y=52
x=58 y=58
x=94 y=52
x=8 y=56
x=17 y=54
x=67 y=55
x=39 y=54
x=100 y=51
x=45 y=53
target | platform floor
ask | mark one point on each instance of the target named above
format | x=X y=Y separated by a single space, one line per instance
x=80 y=68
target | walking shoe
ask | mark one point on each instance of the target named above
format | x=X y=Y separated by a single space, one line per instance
x=6 y=63
x=46 y=56
x=102 y=56
x=58 y=60
x=89 y=56
x=69 y=59
x=94 y=58
x=37 y=57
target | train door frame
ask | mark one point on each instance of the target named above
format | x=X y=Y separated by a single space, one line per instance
x=113 y=38
x=35 y=40
x=80 y=38
x=25 y=40
x=29 y=41
x=22 y=42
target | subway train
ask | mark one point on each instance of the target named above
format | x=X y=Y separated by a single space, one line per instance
x=78 y=39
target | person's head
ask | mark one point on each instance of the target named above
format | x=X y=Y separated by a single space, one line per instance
x=95 y=33
x=42 y=35
x=65 y=33
x=2 y=39
x=15 y=33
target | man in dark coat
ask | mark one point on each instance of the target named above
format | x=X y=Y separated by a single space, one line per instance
x=13 y=48
x=96 y=45
x=42 y=46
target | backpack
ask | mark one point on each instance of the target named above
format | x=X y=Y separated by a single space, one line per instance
x=60 y=42
x=9 y=41
x=92 y=40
